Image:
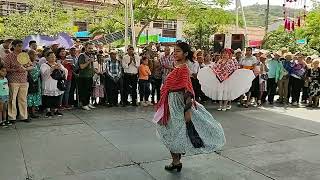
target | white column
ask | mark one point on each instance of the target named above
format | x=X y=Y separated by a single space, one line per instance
x=126 y=22
x=132 y=25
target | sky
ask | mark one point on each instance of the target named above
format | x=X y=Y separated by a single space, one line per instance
x=272 y=2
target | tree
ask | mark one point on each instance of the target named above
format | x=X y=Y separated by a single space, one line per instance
x=280 y=38
x=311 y=30
x=202 y=22
x=45 y=17
x=147 y=11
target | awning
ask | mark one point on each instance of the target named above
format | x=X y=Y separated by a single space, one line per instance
x=257 y=43
x=82 y=34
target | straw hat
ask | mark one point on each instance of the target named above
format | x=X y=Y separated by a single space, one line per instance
x=288 y=54
x=238 y=51
x=263 y=56
x=113 y=51
x=279 y=53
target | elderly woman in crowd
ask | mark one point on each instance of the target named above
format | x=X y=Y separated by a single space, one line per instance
x=51 y=82
x=34 y=91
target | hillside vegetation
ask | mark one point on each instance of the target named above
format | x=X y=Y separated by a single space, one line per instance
x=255 y=14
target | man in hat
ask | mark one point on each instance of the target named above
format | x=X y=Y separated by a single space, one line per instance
x=275 y=66
x=238 y=55
x=130 y=64
x=113 y=79
x=5 y=47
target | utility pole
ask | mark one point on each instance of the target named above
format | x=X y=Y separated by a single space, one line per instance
x=267 y=17
x=126 y=22
x=237 y=16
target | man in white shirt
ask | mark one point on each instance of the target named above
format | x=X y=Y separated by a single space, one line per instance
x=5 y=48
x=130 y=64
x=250 y=62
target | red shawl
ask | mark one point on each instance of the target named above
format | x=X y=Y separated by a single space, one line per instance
x=178 y=79
x=223 y=70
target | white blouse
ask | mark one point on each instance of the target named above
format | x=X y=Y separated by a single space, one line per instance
x=49 y=85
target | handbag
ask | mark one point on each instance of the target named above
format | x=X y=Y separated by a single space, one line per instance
x=62 y=85
x=194 y=137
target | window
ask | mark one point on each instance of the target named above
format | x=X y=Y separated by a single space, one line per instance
x=170 y=25
x=169 y=33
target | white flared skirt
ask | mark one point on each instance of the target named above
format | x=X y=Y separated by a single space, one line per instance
x=236 y=85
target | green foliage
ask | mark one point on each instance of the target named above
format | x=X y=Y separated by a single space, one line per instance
x=310 y=31
x=45 y=18
x=203 y=22
x=280 y=38
x=255 y=14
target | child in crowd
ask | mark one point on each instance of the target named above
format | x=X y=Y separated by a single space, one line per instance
x=98 y=80
x=4 y=97
x=144 y=84
x=263 y=77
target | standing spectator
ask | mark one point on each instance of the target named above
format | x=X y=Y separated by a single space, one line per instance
x=4 y=97
x=313 y=75
x=274 y=66
x=238 y=55
x=34 y=91
x=113 y=79
x=99 y=79
x=51 y=92
x=263 y=78
x=167 y=63
x=5 y=48
x=62 y=57
x=296 y=78
x=144 y=84
x=130 y=64
x=33 y=45
x=250 y=62
x=208 y=60
x=284 y=78
x=194 y=69
x=156 y=79
x=18 y=84
x=85 y=76
x=73 y=58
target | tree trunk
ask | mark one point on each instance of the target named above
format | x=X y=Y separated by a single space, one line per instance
x=142 y=29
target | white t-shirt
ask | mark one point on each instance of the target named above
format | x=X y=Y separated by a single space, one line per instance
x=193 y=67
x=249 y=61
x=133 y=67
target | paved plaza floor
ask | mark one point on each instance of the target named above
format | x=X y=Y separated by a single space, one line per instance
x=121 y=144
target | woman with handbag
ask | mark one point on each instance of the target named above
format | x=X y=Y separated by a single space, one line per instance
x=34 y=90
x=185 y=126
x=53 y=77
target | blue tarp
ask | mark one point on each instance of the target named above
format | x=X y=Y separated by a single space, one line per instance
x=167 y=40
x=82 y=34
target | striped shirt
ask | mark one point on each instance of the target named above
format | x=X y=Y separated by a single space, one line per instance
x=166 y=62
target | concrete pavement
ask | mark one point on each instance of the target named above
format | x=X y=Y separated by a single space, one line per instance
x=121 y=144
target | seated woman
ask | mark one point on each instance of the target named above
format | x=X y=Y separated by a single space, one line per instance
x=51 y=92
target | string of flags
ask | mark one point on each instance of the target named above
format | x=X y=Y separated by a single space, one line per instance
x=294 y=14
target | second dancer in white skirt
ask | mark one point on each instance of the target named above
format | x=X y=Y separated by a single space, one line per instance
x=225 y=81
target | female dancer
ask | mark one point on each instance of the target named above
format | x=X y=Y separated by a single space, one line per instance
x=177 y=109
x=224 y=81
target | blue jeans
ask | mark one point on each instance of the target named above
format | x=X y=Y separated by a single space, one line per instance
x=144 y=89
x=65 y=97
